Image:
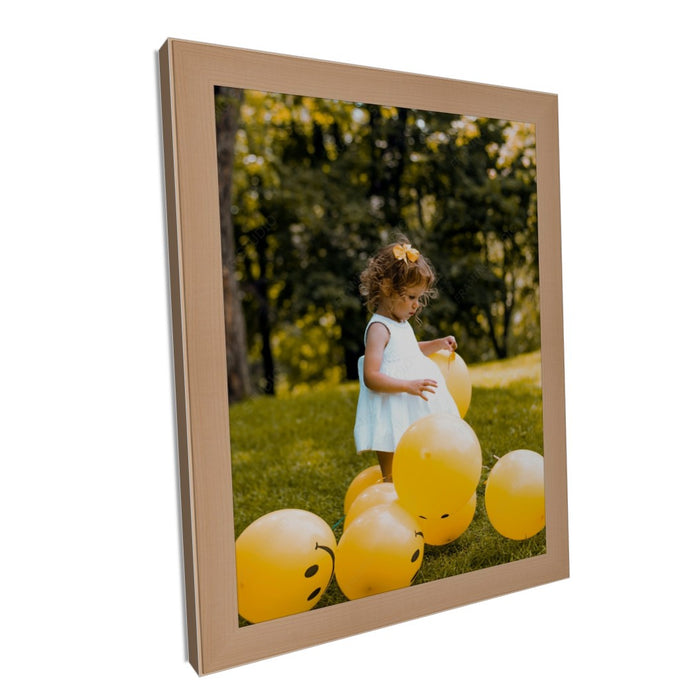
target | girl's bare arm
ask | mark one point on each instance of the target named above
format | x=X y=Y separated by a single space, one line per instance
x=377 y=339
x=428 y=347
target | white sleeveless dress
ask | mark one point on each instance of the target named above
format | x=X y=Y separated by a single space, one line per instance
x=382 y=417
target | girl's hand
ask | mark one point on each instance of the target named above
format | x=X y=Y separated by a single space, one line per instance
x=416 y=387
x=448 y=343
x=429 y=347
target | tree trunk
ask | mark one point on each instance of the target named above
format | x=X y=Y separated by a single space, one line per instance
x=266 y=333
x=227 y=117
x=265 y=325
x=397 y=144
x=388 y=162
x=353 y=347
x=500 y=349
x=508 y=305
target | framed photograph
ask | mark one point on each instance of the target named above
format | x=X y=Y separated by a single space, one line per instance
x=368 y=345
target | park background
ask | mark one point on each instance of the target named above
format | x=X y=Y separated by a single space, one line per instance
x=309 y=190
x=92 y=594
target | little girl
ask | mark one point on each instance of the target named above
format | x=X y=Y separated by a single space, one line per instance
x=398 y=383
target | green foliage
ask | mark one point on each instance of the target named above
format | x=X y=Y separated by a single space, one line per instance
x=308 y=352
x=298 y=452
x=320 y=184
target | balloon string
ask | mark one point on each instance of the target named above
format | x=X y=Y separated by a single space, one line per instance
x=340 y=522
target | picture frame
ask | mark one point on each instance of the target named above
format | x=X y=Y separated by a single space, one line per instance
x=189 y=72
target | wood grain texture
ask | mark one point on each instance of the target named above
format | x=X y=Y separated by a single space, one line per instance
x=189 y=72
x=178 y=323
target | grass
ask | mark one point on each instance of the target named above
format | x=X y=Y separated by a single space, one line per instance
x=298 y=452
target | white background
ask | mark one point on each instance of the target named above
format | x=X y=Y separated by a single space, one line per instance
x=91 y=589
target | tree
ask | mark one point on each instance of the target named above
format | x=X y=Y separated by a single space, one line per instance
x=228 y=104
x=474 y=192
x=320 y=184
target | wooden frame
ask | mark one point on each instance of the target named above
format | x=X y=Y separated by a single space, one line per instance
x=189 y=72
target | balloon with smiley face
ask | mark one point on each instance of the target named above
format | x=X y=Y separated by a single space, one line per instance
x=454 y=370
x=437 y=465
x=367 y=477
x=381 y=551
x=449 y=526
x=514 y=494
x=284 y=563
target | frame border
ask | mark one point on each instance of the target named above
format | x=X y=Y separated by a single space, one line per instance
x=188 y=73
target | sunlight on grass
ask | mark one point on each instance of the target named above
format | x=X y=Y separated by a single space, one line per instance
x=524 y=368
x=298 y=451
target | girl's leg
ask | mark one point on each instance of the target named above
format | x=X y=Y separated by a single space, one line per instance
x=385 y=461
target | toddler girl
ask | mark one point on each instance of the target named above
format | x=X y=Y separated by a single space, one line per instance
x=398 y=383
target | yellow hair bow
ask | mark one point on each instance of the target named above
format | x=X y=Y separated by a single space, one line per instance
x=406 y=252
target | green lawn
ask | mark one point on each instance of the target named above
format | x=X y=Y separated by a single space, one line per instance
x=299 y=452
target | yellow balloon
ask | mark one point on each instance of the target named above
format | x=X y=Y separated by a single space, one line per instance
x=439 y=531
x=515 y=494
x=374 y=495
x=284 y=563
x=381 y=550
x=456 y=374
x=367 y=477
x=437 y=465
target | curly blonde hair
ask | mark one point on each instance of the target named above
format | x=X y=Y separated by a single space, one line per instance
x=386 y=275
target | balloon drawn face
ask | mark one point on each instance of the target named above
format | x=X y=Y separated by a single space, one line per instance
x=312 y=571
x=381 y=550
x=449 y=526
x=417 y=555
x=284 y=563
x=437 y=465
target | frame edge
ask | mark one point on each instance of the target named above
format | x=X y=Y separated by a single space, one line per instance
x=214 y=638
x=165 y=56
x=553 y=351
